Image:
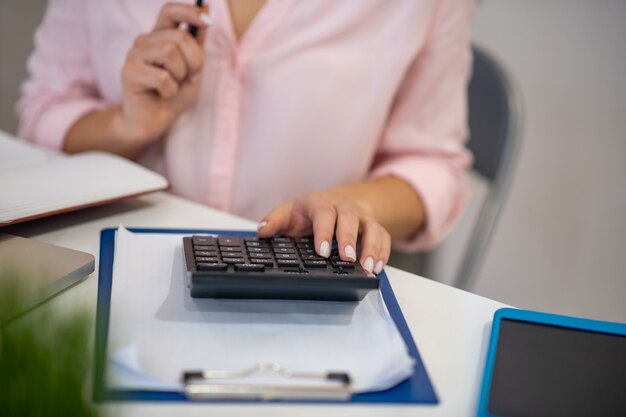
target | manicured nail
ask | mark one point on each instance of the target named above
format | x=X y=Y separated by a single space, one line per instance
x=206 y=19
x=325 y=249
x=261 y=225
x=350 y=252
x=368 y=265
x=379 y=267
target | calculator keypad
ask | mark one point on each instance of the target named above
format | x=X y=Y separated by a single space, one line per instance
x=254 y=254
x=251 y=254
x=276 y=268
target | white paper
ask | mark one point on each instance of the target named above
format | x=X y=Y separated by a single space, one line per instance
x=16 y=153
x=157 y=329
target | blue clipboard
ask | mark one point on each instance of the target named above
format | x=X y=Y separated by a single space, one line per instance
x=417 y=389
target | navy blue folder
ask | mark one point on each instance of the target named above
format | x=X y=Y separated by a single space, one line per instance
x=415 y=389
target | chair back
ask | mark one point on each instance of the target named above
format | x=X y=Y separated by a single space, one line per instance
x=495 y=113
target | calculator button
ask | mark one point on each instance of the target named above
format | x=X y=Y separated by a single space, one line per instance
x=280 y=239
x=229 y=241
x=251 y=239
x=231 y=249
x=269 y=263
x=256 y=255
x=258 y=250
x=315 y=264
x=282 y=245
x=257 y=244
x=284 y=250
x=308 y=251
x=305 y=245
x=286 y=256
x=250 y=267
x=232 y=255
x=232 y=261
x=344 y=265
x=204 y=247
x=203 y=266
x=303 y=240
x=204 y=253
x=203 y=240
x=211 y=260
x=312 y=257
x=288 y=262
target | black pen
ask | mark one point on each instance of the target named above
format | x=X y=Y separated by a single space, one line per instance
x=193 y=29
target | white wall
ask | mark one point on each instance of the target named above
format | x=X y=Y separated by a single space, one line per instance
x=561 y=242
x=18 y=20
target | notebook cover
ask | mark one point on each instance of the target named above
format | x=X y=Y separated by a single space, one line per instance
x=414 y=390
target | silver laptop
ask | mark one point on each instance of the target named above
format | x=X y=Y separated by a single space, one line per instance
x=43 y=269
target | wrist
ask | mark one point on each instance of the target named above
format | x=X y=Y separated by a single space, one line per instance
x=391 y=201
x=127 y=134
x=121 y=130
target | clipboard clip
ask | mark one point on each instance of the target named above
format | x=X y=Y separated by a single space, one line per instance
x=218 y=384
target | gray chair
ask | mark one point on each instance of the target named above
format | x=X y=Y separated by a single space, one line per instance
x=495 y=113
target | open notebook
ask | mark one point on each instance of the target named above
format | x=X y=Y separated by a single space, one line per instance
x=35 y=182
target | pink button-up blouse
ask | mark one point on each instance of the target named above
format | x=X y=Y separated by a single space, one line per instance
x=317 y=93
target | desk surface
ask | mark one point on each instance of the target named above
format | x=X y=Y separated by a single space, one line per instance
x=450 y=326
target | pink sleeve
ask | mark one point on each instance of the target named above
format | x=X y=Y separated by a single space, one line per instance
x=423 y=142
x=61 y=86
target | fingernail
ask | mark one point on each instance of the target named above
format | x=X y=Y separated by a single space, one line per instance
x=261 y=225
x=368 y=265
x=350 y=252
x=325 y=249
x=379 y=267
x=206 y=19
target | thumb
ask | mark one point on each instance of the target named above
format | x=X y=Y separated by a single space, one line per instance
x=276 y=222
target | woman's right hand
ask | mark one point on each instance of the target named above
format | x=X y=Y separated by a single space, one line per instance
x=160 y=78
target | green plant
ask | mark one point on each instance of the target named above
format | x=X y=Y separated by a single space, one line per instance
x=44 y=358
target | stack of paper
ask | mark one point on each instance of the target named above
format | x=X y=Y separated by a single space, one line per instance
x=157 y=331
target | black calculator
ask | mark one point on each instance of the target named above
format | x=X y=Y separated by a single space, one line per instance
x=275 y=268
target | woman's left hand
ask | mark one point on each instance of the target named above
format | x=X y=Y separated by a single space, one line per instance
x=333 y=213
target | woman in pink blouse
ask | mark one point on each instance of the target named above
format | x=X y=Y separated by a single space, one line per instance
x=345 y=117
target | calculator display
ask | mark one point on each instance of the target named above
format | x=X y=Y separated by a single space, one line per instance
x=546 y=370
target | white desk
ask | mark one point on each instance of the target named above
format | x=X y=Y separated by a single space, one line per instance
x=449 y=326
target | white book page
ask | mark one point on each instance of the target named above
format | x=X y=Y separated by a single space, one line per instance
x=16 y=153
x=34 y=181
